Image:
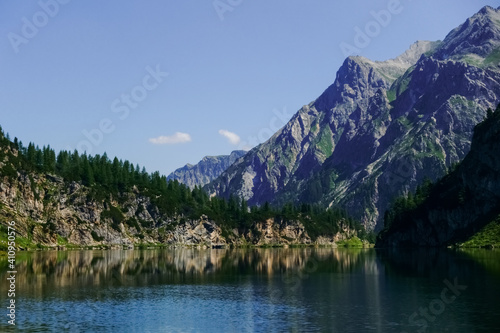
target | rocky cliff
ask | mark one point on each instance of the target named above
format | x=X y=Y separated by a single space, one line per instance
x=380 y=128
x=209 y=168
x=49 y=210
x=461 y=203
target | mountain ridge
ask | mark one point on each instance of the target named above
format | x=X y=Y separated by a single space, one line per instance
x=371 y=136
x=206 y=170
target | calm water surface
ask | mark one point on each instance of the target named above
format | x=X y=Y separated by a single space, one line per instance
x=256 y=290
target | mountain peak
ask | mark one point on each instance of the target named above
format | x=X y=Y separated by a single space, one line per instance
x=487 y=10
x=393 y=68
x=478 y=36
x=412 y=54
x=379 y=129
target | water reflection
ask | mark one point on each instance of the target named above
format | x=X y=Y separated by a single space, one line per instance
x=48 y=269
x=305 y=289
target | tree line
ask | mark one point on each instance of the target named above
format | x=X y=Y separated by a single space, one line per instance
x=173 y=199
x=413 y=204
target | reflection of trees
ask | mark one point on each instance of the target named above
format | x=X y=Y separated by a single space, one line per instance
x=435 y=263
x=52 y=269
x=486 y=258
x=331 y=284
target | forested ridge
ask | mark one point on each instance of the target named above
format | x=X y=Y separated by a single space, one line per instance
x=462 y=206
x=115 y=179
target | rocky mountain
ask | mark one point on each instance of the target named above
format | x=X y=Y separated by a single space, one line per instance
x=458 y=205
x=380 y=128
x=209 y=168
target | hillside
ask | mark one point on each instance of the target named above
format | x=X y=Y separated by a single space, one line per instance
x=462 y=206
x=92 y=201
x=203 y=172
x=380 y=129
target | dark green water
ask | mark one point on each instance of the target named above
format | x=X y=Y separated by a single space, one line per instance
x=255 y=290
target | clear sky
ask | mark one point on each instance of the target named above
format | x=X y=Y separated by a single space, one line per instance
x=163 y=83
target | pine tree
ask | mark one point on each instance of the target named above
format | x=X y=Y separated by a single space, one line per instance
x=489 y=113
x=31 y=154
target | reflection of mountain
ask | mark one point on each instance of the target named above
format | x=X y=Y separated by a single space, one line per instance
x=298 y=290
x=40 y=270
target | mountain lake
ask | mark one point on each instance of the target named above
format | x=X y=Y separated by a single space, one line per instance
x=255 y=290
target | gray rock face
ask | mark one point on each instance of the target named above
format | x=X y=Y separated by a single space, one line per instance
x=209 y=168
x=476 y=38
x=380 y=128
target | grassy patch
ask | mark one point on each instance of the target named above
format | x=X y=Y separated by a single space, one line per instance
x=402 y=83
x=62 y=240
x=472 y=60
x=489 y=236
x=325 y=143
x=21 y=242
x=458 y=100
x=351 y=242
x=391 y=95
x=493 y=58
x=405 y=122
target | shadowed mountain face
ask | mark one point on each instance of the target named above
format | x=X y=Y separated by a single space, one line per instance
x=380 y=128
x=209 y=168
x=461 y=203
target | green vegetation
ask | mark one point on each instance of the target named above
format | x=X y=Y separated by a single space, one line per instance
x=63 y=241
x=434 y=149
x=21 y=242
x=493 y=58
x=391 y=95
x=489 y=236
x=473 y=60
x=96 y=237
x=400 y=85
x=352 y=242
x=113 y=180
x=405 y=122
x=406 y=206
x=325 y=143
x=448 y=192
x=458 y=100
x=115 y=214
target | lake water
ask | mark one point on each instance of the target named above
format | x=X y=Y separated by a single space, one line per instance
x=255 y=290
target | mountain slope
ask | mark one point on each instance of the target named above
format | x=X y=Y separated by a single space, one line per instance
x=460 y=204
x=380 y=128
x=209 y=168
x=81 y=200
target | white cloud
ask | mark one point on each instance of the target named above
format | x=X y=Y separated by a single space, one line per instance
x=178 y=137
x=233 y=138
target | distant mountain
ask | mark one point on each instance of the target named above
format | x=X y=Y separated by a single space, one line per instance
x=380 y=128
x=209 y=168
x=459 y=205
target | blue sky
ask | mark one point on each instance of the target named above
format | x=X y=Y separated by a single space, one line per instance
x=163 y=83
